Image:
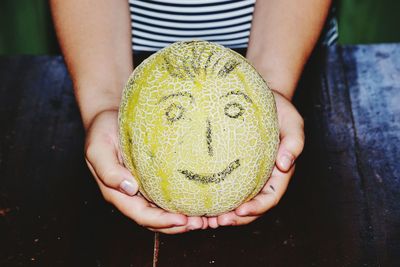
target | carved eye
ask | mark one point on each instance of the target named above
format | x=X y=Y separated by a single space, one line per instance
x=234 y=110
x=174 y=112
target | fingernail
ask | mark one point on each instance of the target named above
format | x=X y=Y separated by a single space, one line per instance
x=128 y=187
x=286 y=162
x=241 y=212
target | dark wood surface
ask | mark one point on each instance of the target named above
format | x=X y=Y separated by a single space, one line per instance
x=342 y=207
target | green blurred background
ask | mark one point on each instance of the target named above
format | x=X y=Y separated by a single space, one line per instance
x=26 y=28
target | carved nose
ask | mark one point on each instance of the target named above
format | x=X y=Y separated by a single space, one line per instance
x=209 y=138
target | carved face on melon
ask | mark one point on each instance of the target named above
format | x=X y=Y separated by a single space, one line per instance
x=198 y=128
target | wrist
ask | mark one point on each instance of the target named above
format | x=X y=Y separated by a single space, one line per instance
x=285 y=91
x=94 y=100
x=281 y=79
x=284 y=86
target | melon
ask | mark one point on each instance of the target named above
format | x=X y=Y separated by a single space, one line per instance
x=198 y=129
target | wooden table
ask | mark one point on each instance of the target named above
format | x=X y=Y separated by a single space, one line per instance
x=342 y=207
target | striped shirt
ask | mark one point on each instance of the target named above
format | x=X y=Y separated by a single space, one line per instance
x=158 y=23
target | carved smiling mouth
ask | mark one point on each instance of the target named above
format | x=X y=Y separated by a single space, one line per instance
x=211 y=178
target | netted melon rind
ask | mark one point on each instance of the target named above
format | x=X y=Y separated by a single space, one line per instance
x=201 y=67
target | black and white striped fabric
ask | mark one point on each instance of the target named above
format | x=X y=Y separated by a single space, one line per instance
x=158 y=23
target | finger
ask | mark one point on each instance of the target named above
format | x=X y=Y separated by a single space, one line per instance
x=205 y=223
x=232 y=219
x=102 y=156
x=269 y=196
x=213 y=222
x=193 y=223
x=140 y=210
x=292 y=140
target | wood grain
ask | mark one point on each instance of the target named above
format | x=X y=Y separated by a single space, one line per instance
x=54 y=213
x=341 y=208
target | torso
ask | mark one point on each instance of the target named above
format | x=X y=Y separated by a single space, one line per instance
x=156 y=24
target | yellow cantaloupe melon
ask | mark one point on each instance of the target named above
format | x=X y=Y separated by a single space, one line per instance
x=198 y=128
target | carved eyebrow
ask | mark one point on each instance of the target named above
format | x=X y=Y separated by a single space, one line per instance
x=187 y=94
x=228 y=68
x=239 y=93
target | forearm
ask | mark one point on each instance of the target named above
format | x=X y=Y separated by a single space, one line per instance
x=94 y=36
x=283 y=35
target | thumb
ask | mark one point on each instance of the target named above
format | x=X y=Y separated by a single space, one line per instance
x=102 y=155
x=103 y=162
x=292 y=140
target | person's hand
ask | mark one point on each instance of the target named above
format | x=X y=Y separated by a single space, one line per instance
x=119 y=187
x=291 y=127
